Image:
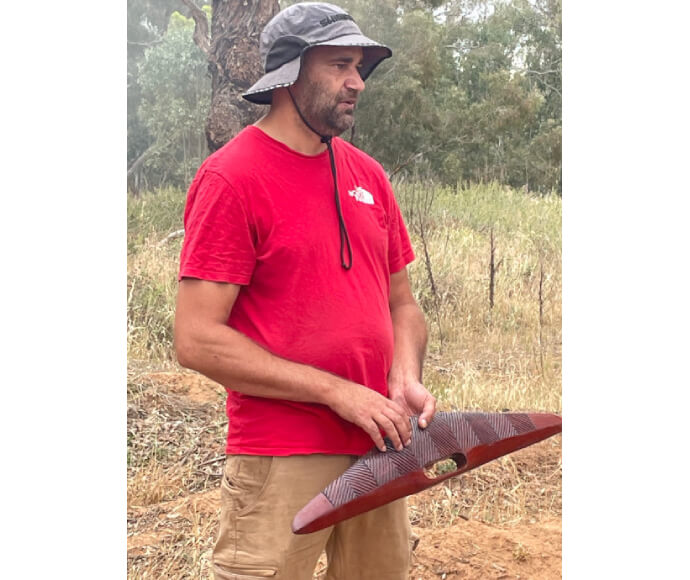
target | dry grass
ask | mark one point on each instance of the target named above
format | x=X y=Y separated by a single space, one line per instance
x=171 y=440
x=152 y=262
x=176 y=429
x=523 y=486
x=174 y=541
x=480 y=358
x=151 y=294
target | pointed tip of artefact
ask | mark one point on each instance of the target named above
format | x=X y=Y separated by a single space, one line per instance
x=309 y=517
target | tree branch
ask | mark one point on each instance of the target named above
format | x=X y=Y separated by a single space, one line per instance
x=145 y=44
x=201 y=36
x=155 y=147
x=172 y=236
x=543 y=72
x=143 y=157
x=412 y=158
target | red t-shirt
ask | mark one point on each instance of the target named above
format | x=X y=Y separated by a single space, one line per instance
x=263 y=216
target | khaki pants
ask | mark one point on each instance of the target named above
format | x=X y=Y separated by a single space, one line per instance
x=260 y=496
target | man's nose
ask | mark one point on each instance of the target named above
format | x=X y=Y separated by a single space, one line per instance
x=354 y=82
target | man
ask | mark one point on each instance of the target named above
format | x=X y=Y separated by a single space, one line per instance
x=294 y=295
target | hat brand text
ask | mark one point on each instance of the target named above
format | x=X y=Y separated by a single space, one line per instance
x=335 y=18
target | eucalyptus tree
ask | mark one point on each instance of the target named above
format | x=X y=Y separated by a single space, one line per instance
x=232 y=51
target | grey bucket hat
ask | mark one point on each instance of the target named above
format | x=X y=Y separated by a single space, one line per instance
x=299 y=27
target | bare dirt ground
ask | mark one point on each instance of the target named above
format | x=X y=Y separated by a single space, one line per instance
x=500 y=521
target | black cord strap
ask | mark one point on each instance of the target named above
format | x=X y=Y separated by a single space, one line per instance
x=344 y=237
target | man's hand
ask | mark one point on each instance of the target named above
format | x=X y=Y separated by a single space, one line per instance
x=374 y=413
x=413 y=397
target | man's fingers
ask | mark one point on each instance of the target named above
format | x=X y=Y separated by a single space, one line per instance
x=373 y=431
x=402 y=424
x=427 y=412
x=391 y=429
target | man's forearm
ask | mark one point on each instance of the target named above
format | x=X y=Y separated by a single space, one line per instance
x=409 y=328
x=238 y=363
x=405 y=377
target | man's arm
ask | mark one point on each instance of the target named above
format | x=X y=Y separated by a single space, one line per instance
x=405 y=377
x=204 y=342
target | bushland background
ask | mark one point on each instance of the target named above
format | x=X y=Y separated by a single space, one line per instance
x=466 y=119
x=472 y=94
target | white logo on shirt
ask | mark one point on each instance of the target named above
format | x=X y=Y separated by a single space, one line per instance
x=361 y=194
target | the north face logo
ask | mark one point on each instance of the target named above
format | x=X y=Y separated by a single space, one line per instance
x=362 y=195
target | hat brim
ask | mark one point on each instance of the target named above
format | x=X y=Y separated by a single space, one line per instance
x=286 y=74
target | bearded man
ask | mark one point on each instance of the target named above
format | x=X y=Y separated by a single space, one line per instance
x=294 y=295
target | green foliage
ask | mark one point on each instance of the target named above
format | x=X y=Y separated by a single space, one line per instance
x=471 y=94
x=174 y=97
x=147 y=21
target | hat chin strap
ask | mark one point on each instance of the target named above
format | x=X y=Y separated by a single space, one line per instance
x=344 y=237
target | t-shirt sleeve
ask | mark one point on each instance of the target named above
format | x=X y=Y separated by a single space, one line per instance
x=219 y=239
x=400 y=252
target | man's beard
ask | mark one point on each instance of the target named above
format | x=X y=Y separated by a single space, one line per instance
x=323 y=111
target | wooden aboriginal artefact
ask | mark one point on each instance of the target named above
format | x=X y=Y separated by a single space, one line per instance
x=377 y=478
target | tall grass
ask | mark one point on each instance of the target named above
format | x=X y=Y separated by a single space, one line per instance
x=505 y=355
x=152 y=262
x=483 y=356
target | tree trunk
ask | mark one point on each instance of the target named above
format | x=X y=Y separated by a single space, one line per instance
x=235 y=65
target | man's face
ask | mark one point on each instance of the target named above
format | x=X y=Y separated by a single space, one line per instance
x=328 y=87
